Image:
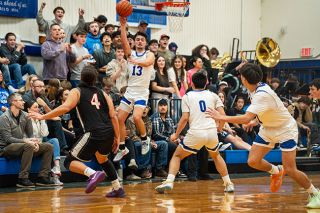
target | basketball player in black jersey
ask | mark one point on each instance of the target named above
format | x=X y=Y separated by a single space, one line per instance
x=98 y=118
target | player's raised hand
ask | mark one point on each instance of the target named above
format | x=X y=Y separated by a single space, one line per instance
x=123 y=21
x=35 y=115
x=214 y=114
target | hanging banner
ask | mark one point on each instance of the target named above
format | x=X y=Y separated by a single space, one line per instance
x=19 y=8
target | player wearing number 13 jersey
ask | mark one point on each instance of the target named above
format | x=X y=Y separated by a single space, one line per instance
x=98 y=118
x=140 y=68
x=202 y=131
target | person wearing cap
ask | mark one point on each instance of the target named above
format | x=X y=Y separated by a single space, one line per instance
x=162 y=128
x=163 y=50
x=153 y=46
x=142 y=27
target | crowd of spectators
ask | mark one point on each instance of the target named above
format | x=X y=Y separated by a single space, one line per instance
x=68 y=49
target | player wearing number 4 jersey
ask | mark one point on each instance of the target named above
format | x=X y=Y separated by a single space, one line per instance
x=140 y=68
x=98 y=118
x=202 y=131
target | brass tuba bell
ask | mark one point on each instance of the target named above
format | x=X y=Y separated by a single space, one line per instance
x=268 y=52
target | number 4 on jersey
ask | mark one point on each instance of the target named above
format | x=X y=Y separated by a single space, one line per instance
x=95 y=101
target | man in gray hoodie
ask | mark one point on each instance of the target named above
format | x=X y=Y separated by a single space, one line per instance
x=55 y=55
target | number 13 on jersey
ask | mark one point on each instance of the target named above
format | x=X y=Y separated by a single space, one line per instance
x=137 y=70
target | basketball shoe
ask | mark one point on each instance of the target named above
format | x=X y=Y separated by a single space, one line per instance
x=116 y=193
x=165 y=186
x=120 y=154
x=145 y=146
x=314 y=201
x=229 y=187
x=94 y=180
x=276 y=179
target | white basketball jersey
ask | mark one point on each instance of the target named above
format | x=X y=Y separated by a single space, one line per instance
x=269 y=109
x=196 y=103
x=139 y=76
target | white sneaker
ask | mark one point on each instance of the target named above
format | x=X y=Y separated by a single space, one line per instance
x=133 y=164
x=56 y=170
x=56 y=180
x=145 y=147
x=224 y=147
x=165 y=186
x=314 y=201
x=120 y=154
x=229 y=187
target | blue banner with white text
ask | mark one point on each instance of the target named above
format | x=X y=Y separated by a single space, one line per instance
x=19 y=8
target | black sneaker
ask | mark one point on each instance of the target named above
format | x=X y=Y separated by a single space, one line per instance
x=161 y=173
x=44 y=181
x=25 y=183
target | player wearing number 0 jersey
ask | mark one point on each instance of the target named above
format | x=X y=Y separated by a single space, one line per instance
x=202 y=131
x=140 y=68
x=98 y=118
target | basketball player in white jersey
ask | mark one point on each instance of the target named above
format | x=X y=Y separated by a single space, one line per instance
x=202 y=131
x=140 y=68
x=277 y=126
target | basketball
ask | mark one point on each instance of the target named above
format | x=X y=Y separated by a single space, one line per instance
x=124 y=8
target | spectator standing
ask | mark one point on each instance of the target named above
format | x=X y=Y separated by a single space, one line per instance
x=93 y=42
x=163 y=50
x=55 y=56
x=45 y=25
x=81 y=53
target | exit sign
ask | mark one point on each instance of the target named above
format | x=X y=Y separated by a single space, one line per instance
x=306 y=52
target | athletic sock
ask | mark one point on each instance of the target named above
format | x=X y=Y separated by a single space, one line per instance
x=109 y=169
x=122 y=145
x=226 y=179
x=88 y=172
x=274 y=170
x=115 y=184
x=312 y=190
x=171 y=177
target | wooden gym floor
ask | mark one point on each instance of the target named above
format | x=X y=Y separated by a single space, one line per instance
x=251 y=195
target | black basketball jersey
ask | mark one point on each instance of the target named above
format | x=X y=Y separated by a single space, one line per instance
x=93 y=110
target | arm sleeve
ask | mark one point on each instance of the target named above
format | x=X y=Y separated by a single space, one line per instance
x=42 y=23
x=44 y=128
x=171 y=75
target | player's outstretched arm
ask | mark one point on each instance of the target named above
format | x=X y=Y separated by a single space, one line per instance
x=239 y=119
x=123 y=35
x=71 y=102
x=182 y=123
